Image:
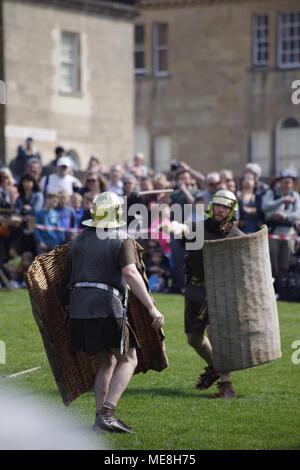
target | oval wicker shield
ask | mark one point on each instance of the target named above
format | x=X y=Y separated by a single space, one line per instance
x=241 y=302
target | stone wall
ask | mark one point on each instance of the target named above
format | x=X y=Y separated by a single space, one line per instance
x=213 y=99
x=99 y=119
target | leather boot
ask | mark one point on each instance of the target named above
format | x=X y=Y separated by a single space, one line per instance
x=207 y=378
x=107 y=421
x=226 y=391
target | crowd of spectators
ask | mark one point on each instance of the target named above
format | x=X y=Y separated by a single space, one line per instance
x=44 y=206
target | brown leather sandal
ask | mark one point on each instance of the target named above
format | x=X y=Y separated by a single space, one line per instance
x=207 y=378
x=226 y=391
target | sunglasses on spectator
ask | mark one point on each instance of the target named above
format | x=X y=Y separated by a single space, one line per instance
x=91 y=180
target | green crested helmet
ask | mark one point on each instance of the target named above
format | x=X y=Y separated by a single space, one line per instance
x=224 y=198
x=106 y=211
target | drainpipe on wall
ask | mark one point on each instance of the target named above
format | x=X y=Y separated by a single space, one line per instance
x=275 y=152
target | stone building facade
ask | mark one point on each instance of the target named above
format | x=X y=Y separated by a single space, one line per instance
x=68 y=67
x=214 y=83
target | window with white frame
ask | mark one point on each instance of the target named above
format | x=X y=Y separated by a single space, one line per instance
x=70 y=81
x=261 y=150
x=142 y=142
x=139 y=50
x=160 y=49
x=289 y=40
x=288 y=143
x=260 y=40
x=162 y=153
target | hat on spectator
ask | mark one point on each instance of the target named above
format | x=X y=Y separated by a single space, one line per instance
x=288 y=173
x=213 y=177
x=254 y=168
x=140 y=156
x=64 y=161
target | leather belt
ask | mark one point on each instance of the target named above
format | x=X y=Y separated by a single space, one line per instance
x=100 y=285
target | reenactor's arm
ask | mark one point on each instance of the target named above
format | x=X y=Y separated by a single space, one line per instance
x=136 y=283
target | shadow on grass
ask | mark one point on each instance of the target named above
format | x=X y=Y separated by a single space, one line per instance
x=165 y=392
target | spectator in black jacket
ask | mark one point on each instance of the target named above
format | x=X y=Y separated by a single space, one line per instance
x=24 y=154
x=30 y=198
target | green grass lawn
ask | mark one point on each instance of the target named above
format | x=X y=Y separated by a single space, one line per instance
x=165 y=409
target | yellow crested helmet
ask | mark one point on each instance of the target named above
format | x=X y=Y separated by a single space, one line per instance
x=106 y=211
x=225 y=198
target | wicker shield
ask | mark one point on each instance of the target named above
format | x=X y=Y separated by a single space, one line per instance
x=47 y=281
x=241 y=302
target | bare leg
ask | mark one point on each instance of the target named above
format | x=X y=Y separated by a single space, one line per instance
x=202 y=346
x=112 y=387
x=122 y=374
x=103 y=377
x=223 y=377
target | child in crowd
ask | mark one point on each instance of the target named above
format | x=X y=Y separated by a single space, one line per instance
x=47 y=235
x=13 y=267
x=157 y=267
x=66 y=215
x=77 y=205
x=87 y=204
